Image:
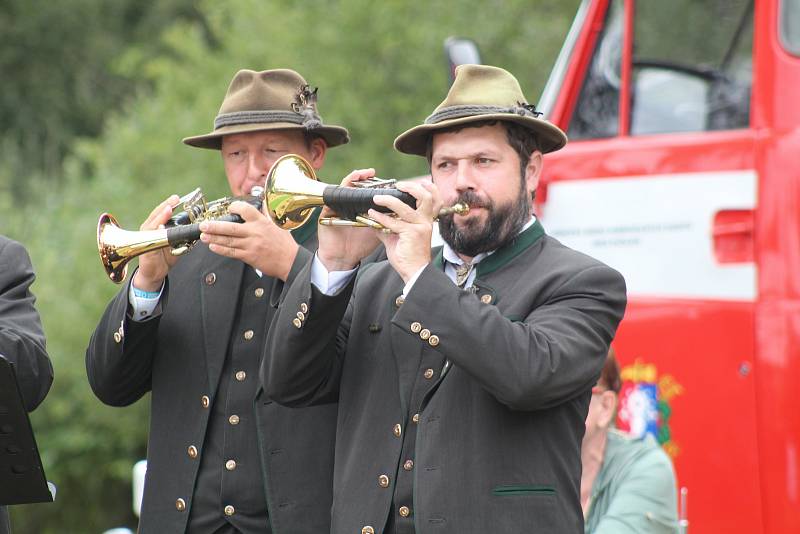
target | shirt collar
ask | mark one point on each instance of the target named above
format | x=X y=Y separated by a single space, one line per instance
x=451 y=257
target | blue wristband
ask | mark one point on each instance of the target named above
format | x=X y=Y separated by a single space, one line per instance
x=145 y=294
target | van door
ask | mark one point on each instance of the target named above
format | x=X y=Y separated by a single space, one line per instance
x=659 y=181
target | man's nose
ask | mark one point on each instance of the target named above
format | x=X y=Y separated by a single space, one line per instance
x=465 y=179
x=257 y=167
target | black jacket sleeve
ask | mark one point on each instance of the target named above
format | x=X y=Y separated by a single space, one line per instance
x=305 y=367
x=119 y=359
x=22 y=339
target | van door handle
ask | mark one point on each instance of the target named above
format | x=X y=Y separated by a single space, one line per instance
x=732 y=234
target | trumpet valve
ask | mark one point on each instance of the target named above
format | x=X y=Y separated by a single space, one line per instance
x=180 y=250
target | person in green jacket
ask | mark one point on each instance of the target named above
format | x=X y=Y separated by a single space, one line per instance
x=627 y=484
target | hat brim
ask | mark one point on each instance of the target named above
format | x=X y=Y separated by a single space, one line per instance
x=333 y=135
x=415 y=140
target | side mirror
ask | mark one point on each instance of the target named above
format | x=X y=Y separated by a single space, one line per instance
x=460 y=51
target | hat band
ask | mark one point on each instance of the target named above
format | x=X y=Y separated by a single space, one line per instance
x=458 y=112
x=308 y=119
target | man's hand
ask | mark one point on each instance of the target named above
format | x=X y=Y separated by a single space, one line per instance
x=408 y=246
x=342 y=247
x=258 y=241
x=154 y=266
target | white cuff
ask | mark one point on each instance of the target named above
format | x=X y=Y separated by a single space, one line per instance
x=329 y=283
x=144 y=308
x=412 y=281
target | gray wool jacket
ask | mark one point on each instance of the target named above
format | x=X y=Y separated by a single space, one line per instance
x=486 y=391
x=178 y=357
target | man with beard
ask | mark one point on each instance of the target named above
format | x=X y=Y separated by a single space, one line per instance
x=464 y=373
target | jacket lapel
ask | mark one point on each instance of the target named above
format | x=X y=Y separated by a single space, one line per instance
x=407 y=353
x=406 y=348
x=220 y=283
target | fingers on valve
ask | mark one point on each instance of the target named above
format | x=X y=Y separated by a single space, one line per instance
x=358 y=175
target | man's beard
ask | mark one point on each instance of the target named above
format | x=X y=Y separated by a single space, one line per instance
x=501 y=227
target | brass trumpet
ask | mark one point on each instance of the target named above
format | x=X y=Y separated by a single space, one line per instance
x=293 y=190
x=117 y=246
x=291 y=193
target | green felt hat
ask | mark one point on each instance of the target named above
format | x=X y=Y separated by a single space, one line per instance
x=479 y=93
x=277 y=99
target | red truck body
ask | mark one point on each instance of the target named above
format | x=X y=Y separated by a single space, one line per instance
x=684 y=174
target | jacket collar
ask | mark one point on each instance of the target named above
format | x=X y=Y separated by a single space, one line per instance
x=621 y=449
x=220 y=281
x=503 y=255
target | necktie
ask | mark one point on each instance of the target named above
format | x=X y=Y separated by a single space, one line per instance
x=462 y=273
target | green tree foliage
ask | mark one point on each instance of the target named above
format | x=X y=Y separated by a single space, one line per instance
x=380 y=69
x=64 y=62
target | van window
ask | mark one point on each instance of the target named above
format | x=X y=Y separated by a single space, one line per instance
x=790 y=26
x=691 y=72
x=597 y=110
x=691 y=66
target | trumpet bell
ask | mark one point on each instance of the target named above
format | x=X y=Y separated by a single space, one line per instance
x=292 y=191
x=116 y=267
x=117 y=246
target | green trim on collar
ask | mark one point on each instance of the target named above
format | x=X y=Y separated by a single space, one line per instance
x=511 y=251
x=502 y=256
x=438 y=258
x=302 y=234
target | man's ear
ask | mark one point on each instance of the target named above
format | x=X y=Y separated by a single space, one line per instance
x=608 y=409
x=533 y=171
x=318 y=150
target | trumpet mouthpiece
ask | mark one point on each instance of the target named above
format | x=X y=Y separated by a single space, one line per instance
x=459 y=208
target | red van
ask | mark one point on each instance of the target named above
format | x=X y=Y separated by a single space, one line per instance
x=683 y=172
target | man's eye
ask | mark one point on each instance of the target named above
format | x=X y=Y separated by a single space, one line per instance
x=443 y=165
x=483 y=161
